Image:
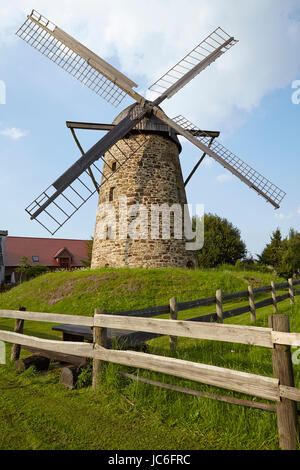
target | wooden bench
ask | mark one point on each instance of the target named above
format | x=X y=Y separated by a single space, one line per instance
x=121 y=338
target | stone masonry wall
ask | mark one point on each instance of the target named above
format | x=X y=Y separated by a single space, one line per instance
x=151 y=176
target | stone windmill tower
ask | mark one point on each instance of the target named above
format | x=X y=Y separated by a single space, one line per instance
x=138 y=158
x=151 y=178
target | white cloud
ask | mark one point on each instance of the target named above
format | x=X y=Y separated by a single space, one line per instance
x=224 y=177
x=147 y=39
x=298 y=211
x=13 y=133
x=282 y=216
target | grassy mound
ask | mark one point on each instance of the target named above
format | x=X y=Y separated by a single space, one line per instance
x=80 y=292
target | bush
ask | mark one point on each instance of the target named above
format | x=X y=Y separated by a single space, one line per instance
x=251 y=265
x=37 y=270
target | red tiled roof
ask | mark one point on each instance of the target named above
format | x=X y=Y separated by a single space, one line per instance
x=44 y=248
x=63 y=251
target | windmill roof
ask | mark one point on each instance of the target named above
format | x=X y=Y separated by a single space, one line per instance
x=150 y=123
x=45 y=248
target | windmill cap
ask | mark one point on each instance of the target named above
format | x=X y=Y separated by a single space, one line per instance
x=150 y=123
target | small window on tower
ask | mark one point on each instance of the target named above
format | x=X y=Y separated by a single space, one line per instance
x=35 y=259
x=108 y=233
x=111 y=194
x=114 y=166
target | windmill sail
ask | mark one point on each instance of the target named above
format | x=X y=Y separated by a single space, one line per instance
x=215 y=45
x=76 y=59
x=269 y=191
x=58 y=203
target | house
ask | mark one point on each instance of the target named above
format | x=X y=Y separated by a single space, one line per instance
x=55 y=253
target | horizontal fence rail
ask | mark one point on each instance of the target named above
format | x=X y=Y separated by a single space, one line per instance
x=264 y=387
x=48 y=317
x=66 y=347
x=252 y=335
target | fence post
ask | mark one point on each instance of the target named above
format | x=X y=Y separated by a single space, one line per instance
x=173 y=316
x=252 y=304
x=283 y=370
x=291 y=291
x=273 y=291
x=219 y=305
x=99 y=338
x=18 y=328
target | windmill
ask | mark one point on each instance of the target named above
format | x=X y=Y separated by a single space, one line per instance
x=139 y=154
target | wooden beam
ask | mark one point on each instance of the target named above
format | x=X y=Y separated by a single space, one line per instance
x=291 y=291
x=263 y=303
x=89 y=126
x=286 y=338
x=275 y=309
x=287 y=419
x=18 y=328
x=48 y=317
x=67 y=347
x=197 y=393
x=198 y=164
x=219 y=306
x=173 y=316
x=251 y=384
x=252 y=305
x=289 y=392
x=96 y=186
x=60 y=357
x=229 y=333
x=99 y=339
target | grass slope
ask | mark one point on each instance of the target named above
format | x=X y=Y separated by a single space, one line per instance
x=37 y=412
x=80 y=292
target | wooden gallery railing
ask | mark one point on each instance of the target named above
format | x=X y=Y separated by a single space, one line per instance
x=279 y=388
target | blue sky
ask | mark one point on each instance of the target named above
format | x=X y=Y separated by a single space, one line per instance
x=247 y=95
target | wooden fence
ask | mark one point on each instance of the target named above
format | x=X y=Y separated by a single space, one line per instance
x=218 y=301
x=279 y=388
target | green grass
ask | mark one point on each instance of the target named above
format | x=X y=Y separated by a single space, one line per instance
x=37 y=412
x=80 y=292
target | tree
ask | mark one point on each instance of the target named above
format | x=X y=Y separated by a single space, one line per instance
x=272 y=253
x=283 y=253
x=23 y=267
x=89 y=250
x=222 y=242
x=27 y=271
x=290 y=255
